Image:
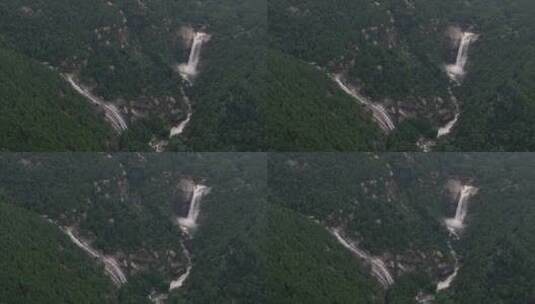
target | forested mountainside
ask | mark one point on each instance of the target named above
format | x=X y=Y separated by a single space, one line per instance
x=173 y=75
x=283 y=228
x=441 y=75
x=277 y=75
x=131 y=228
x=38 y=263
x=40 y=112
x=415 y=228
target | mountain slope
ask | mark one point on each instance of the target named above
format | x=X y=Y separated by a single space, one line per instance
x=396 y=54
x=127 y=55
x=40 y=265
x=40 y=113
x=395 y=211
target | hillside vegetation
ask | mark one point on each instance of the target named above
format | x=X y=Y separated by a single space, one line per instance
x=394 y=206
x=127 y=53
x=395 y=52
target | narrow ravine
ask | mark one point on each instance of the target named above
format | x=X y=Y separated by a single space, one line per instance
x=188 y=225
x=380 y=114
x=182 y=278
x=446 y=283
x=378 y=267
x=446 y=129
x=456 y=73
x=455 y=225
x=179 y=129
x=112 y=268
x=189 y=71
x=112 y=113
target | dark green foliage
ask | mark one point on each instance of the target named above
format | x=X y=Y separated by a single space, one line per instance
x=126 y=205
x=306 y=265
x=41 y=113
x=401 y=214
x=306 y=111
x=355 y=190
x=395 y=51
x=127 y=52
x=38 y=264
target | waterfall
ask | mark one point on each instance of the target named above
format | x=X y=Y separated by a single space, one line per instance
x=443 y=131
x=111 y=112
x=190 y=222
x=456 y=71
x=454 y=225
x=445 y=284
x=187 y=224
x=189 y=70
x=457 y=223
x=182 y=278
x=379 y=112
x=378 y=267
x=111 y=266
x=179 y=129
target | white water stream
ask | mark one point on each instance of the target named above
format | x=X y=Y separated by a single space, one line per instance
x=379 y=112
x=111 y=112
x=456 y=71
x=378 y=267
x=449 y=126
x=455 y=225
x=446 y=283
x=189 y=70
x=188 y=224
x=182 y=278
x=179 y=129
x=111 y=266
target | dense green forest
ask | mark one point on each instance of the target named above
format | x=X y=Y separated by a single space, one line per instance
x=394 y=206
x=127 y=52
x=395 y=53
x=306 y=265
x=270 y=229
x=297 y=106
x=40 y=265
x=41 y=113
x=125 y=205
x=265 y=77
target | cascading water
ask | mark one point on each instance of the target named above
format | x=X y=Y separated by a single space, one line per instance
x=378 y=267
x=445 y=284
x=456 y=71
x=379 y=112
x=443 y=131
x=182 y=278
x=454 y=225
x=188 y=224
x=189 y=70
x=179 y=129
x=111 y=112
x=111 y=266
x=457 y=223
